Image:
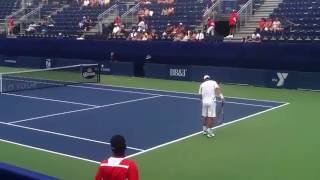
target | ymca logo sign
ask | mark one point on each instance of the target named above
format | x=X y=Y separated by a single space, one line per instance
x=281 y=79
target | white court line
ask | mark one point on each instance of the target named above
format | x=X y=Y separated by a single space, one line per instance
x=165 y=95
x=216 y=127
x=180 y=92
x=47 y=99
x=64 y=135
x=227 y=102
x=86 y=109
x=48 y=151
x=115 y=90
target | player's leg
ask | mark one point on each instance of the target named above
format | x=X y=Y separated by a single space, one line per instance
x=209 y=127
x=204 y=119
x=211 y=117
x=204 y=126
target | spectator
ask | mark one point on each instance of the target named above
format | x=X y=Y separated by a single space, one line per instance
x=167 y=31
x=178 y=37
x=141 y=13
x=117 y=167
x=116 y=30
x=50 y=22
x=81 y=24
x=233 y=19
x=210 y=26
x=117 y=21
x=181 y=29
x=261 y=25
x=186 y=37
x=167 y=11
x=141 y=25
x=170 y=11
x=199 y=36
x=133 y=34
x=256 y=37
x=101 y=2
x=268 y=24
x=86 y=3
x=145 y=36
x=276 y=25
x=32 y=27
x=10 y=23
x=193 y=36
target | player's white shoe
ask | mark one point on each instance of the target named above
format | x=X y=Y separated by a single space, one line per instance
x=204 y=132
x=210 y=135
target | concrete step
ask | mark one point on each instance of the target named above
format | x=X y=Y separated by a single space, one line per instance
x=248 y=27
x=245 y=32
x=233 y=39
x=265 y=9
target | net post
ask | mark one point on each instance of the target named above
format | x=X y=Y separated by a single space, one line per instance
x=0 y=83
x=99 y=74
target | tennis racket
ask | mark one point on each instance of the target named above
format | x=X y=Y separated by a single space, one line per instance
x=220 y=111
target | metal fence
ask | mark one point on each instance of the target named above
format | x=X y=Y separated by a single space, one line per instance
x=130 y=17
x=244 y=13
x=107 y=17
x=3 y=27
x=213 y=10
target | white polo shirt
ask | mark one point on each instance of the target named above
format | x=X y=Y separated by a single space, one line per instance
x=208 y=91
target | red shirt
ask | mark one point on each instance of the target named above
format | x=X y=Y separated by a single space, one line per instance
x=210 y=22
x=117 y=169
x=117 y=21
x=233 y=18
x=261 y=24
x=10 y=22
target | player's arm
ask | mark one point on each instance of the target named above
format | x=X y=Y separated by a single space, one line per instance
x=200 y=92
x=98 y=174
x=133 y=173
x=219 y=93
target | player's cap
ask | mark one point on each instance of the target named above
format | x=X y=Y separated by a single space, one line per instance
x=118 y=143
x=205 y=77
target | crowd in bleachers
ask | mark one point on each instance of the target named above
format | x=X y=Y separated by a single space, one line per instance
x=158 y=19
x=166 y=20
x=92 y=2
x=294 y=19
x=174 y=20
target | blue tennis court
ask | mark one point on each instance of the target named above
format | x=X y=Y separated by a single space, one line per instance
x=79 y=120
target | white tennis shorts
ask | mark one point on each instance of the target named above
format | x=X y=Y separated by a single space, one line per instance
x=209 y=109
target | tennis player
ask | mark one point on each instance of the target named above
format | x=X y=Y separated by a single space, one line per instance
x=117 y=167
x=208 y=92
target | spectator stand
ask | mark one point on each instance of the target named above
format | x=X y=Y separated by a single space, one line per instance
x=130 y=17
x=39 y=20
x=60 y=20
x=244 y=13
x=300 y=21
x=120 y=8
x=8 y=8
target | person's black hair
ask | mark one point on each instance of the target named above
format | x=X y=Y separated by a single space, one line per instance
x=118 y=145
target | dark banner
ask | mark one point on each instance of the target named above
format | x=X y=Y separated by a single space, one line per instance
x=22 y=61
x=165 y=71
x=275 y=56
x=256 y=77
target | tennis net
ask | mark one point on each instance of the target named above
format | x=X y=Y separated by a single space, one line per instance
x=52 y=77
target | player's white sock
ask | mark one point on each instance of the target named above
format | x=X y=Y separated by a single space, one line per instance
x=204 y=128
x=210 y=131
